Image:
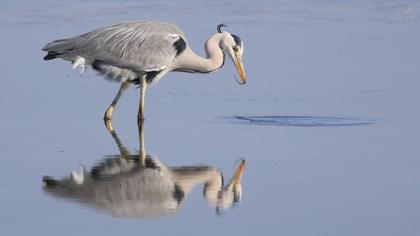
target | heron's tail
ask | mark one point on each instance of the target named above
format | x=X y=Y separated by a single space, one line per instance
x=49 y=181
x=52 y=55
x=59 y=48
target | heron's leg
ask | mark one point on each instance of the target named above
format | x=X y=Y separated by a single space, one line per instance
x=142 y=154
x=124 y=153
x=108 y=112
x=143 y=87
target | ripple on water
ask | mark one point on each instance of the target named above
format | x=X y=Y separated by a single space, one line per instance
x=311 y=121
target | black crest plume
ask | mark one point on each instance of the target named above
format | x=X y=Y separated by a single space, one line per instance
x=219 y=27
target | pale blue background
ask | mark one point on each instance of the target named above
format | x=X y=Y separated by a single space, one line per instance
x=352 y=59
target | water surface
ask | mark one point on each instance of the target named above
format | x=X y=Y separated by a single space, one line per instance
x=311 y=61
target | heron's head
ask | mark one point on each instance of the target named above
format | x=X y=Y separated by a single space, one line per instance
x=233 y=46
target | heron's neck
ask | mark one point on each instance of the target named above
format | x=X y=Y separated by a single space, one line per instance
x=189 y=61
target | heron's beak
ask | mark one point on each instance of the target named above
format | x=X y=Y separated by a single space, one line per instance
x=238 y=173
x=240 y=68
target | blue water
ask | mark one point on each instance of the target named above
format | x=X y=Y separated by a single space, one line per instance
x=304 y=121
x=334 y=83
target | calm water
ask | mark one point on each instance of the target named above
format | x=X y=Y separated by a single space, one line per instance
x=328 y=124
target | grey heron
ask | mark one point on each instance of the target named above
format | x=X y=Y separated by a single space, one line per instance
x=140 y=186
x=143 y=52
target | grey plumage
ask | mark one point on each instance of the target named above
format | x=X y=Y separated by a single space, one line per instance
x=123 y=50
x=142 y=53
x=124 y=189
x=128 y=185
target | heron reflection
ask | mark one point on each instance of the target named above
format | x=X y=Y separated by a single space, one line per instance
x=140 y=186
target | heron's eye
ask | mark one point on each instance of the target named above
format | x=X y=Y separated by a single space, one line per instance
x=235 y=48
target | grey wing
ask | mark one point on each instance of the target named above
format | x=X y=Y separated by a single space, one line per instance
x=135 y=46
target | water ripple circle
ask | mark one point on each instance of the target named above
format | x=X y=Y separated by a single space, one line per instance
x=301 y=120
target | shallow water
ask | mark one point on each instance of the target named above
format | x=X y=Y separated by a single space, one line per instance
x=299 y=120
x=325 y=63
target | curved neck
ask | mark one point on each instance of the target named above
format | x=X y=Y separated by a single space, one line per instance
x=191 y=62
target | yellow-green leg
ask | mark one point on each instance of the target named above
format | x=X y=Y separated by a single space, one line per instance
x=142 y=152
x=108 y=112
x=143 y=87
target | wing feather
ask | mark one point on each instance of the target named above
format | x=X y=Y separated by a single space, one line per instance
x=136 y=46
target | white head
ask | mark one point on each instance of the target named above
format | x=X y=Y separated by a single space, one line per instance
x=233 y=46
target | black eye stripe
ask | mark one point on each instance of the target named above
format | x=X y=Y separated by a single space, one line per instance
x=238 y=41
